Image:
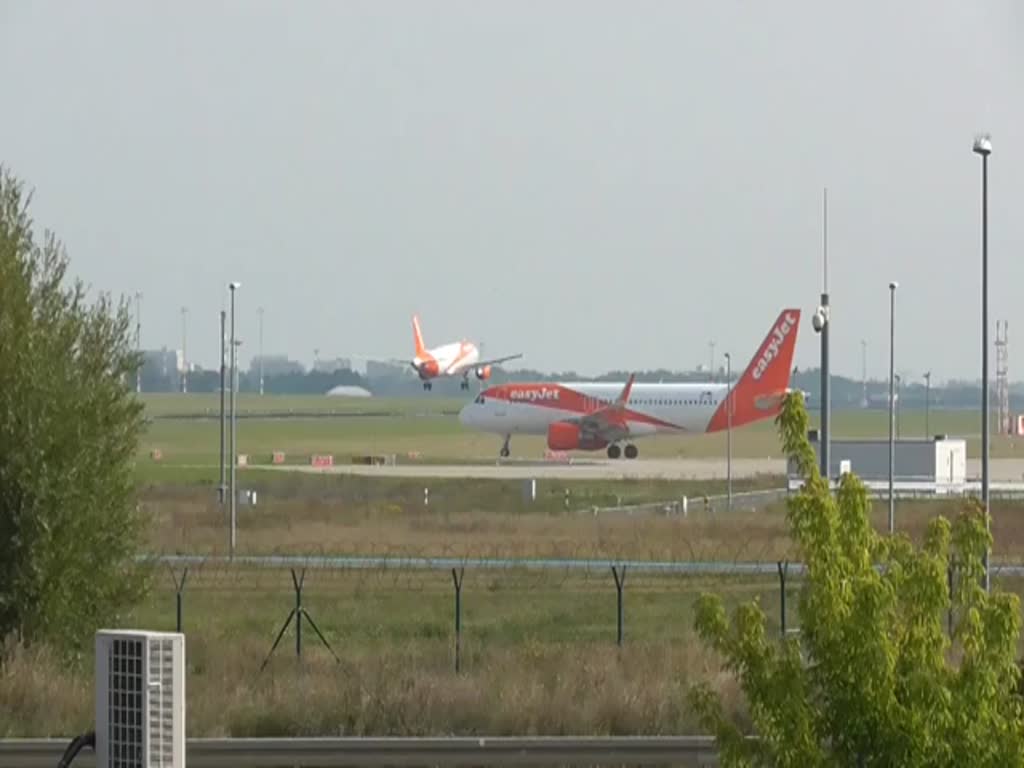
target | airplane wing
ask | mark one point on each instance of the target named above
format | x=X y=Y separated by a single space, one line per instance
x=497 y=360
x=609 y=421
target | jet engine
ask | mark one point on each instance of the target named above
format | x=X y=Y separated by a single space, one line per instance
x=483 y=373
x=563 y=436
x=426 y=369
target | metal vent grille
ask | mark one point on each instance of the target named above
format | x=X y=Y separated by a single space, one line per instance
x=161 y=703
x=124 y=703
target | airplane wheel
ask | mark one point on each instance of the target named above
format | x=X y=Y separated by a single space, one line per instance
x=631 y=451
x=613 y=451
x=427 y=386
x=504 y=453
x=465 y=384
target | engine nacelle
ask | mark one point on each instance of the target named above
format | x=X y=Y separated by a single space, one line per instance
x=483 y=373
x=427 y=369
x=563 y=436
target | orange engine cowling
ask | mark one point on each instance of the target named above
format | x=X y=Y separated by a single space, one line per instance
x=563 y=436
x=428 y=369
x=483 y=373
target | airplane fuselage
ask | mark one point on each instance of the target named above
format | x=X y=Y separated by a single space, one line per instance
x=531 y=409
x=446 y=360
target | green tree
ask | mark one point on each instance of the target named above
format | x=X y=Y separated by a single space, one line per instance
x=871 y=679
x=69 y=429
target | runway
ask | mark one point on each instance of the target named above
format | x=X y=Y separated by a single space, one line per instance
x=583 y=469
x=1002 y=470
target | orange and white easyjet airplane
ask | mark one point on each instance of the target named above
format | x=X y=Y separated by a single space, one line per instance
x=595 y=415
x=456 y=359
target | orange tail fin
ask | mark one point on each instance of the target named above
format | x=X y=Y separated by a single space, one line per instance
x=417 y=337
x=759 y=391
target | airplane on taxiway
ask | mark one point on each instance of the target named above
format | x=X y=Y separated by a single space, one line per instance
x=593 y=416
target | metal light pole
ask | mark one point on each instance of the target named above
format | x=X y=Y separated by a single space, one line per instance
x=234 y=436
x=138 y=340
x=864 y=373
x=223 y=383
x=927 y=402
x=260 y=312
x=892 y=402
x=983 y=147
x=728 y=427
x=824 y=320
x=899 y=392
x=711 y=362
x=184 y=349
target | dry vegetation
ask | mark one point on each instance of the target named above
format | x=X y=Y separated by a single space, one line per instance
x=192 y=523
x=539 y=652
x=533 y=689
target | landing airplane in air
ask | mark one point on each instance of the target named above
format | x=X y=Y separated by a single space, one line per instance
x=592 y=416
x=459 y=358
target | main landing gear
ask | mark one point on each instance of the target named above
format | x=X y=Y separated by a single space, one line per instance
x=464 y=384
x=629 y=451
x=505 y=452
x=427 y=386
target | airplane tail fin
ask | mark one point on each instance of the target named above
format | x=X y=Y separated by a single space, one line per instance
x=417 y=337
x=759 y=392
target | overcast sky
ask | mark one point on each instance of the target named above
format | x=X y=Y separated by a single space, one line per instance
x=597 y=185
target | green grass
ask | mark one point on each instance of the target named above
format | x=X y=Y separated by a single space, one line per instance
x=539 y=653
x=430 y=436
x=167 y=405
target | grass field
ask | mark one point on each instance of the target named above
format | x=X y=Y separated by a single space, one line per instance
x=538 y=648
x=430 y=430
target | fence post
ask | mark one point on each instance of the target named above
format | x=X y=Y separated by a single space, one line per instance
x=783 y=566
x=457 y=577
x=298 y=582
x=179 y=587
x=620 y=582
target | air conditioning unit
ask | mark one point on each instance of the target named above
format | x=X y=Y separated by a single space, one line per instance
x=140 y=699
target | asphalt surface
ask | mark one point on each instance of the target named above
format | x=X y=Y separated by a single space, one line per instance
x=592 y=469
x=1002 y=470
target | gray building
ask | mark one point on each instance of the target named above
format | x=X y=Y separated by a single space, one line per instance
x=942 y=460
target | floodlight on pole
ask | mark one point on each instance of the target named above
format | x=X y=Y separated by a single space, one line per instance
x=823 y=323
x=983 y=147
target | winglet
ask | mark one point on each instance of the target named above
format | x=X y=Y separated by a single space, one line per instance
x=623 y=398
x=417 y=336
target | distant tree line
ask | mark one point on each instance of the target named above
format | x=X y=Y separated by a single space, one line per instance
x=846 y=392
